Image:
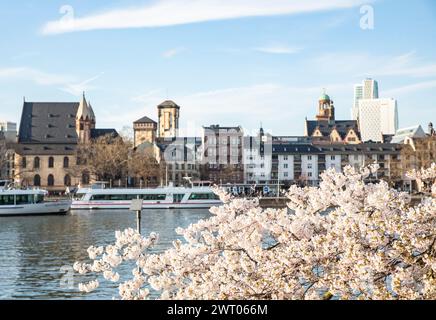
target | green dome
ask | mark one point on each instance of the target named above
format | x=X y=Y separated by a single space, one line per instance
x=324 y=97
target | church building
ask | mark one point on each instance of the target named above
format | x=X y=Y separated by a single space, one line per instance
x=47 y=140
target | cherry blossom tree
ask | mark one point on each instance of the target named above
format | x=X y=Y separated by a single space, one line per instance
x=345 y=239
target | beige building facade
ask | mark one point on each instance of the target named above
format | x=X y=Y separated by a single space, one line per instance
x=49 y=133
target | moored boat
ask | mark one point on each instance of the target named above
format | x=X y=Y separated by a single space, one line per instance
x=15 y=202
x=159 y=198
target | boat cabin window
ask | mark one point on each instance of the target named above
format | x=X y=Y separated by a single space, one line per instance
x=203 y=196
x=6 y=200
x=177 y=198
x=24 y=199
x=39 y=198
x=79 y=196
x=128 y=197
x=154 y=197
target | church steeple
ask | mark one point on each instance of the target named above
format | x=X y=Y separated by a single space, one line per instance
x=85 y=111
x=85 y=120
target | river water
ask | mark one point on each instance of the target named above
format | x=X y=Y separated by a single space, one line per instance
x=36 y=253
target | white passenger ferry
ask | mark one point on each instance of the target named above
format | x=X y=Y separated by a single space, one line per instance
x=15 y=202
x=159 y=198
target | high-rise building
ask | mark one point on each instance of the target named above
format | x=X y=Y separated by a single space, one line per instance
x=8 y=130
x=368 y=89
x=377 y=117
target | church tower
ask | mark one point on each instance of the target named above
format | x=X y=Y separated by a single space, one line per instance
x=85 y=121
x=326 y=109
x=169 y=114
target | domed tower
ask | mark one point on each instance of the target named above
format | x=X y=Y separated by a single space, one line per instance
x=85 y=121
x=326 y=109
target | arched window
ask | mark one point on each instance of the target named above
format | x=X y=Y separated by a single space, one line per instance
x=37 y=181
x=24 y=162
x=50 y=180
x=85 y=178
x=66 y=162
x=67 y=181
x=36 y=163
x=51 y=162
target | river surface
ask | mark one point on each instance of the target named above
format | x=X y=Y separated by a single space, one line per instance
x=36 y=253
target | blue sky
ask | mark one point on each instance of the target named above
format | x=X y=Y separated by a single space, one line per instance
x=239 y=62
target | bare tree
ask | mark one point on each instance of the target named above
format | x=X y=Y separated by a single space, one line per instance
x=144 y=167
x=110 y=158
x=4 y=158
x=105 y=158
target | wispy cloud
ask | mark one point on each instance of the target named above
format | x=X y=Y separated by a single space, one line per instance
x=76 y=89
x=67 y=83
x=404 y=90
x=34 y=75
x=366 y=65
x=149 y=97
x=269 y=102
x=173 y=52
x=278 y=49
x=177 y=12
x=25 y=55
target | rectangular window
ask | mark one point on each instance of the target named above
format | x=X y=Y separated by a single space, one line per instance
x=333 y=158
x=7 y=200
x=309 y=166
x=24 y=199
x=203 y=196
x=285 y=158
x=309 y=174
x=285 y=166
x=309 y=157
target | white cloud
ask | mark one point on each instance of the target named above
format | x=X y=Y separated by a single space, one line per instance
x=173 y=52
x=176 y=12
x=278 y=49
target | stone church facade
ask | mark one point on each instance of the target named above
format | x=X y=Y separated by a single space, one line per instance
x=48 y=137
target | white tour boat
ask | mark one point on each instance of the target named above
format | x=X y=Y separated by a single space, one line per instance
x=159 y=198
x=15 y=202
